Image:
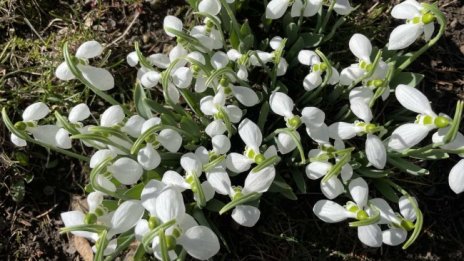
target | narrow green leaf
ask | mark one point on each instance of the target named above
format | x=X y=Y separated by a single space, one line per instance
x=139 y=98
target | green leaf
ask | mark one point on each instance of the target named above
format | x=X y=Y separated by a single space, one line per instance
x=312 y=39
x=135 y=192
x=386 y=190
x=18 y=190
x=279 y=185
x=373 y=174
x=294 y=50
x=263 y=115
x=407 y=78
x=139 y=98
x=407 y=167
x=299 y=179
x=189 y=125
x=428 y=154
x=291 y=31
x=215 y=205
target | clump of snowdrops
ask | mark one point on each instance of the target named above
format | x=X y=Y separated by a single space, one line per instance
x=225 y=117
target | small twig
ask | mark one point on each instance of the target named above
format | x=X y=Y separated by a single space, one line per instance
x=33 y=30
x=137 y=14
x=48 y=211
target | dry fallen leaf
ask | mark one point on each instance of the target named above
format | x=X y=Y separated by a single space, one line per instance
x=83 y=247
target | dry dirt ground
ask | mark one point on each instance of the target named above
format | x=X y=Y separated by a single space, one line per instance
x=35 y=186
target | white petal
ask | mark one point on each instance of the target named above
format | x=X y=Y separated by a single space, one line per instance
x=149 y=194
x=275 y=9
x=178 y=52
x=35 y=112
x=219 y=60
x=150 y=79
x=203 y=154
x=245 y=95
x=332 y=188
x=363 y=93
x=297 y=8
x=413 y=100
x=428 y=31
x=375 y=151
x=79 y=113
x=182 y=77
x=329 y=211
x=219 y=179
x=250 y=134
x=259 y=181
x=45 y=134
x=407 y=136
x=282 y=67
x=112 y=116
x=406 y=208
x=312 y=7
x=394 y=236
x=141 y=228
x=126 y=170
x=62 y=139
x=105 y=183
x=312 y=81
x=126 y=216
x=200 y=242
x=361 y=109
x=370 y=235
x=319 y=134
x=100 y=78
x=216 y=127
x=148 y=157
x=150 y=123
x=285 y=142
x=361 y=47
x=208 y=191
x=281 y=104
x=101 y=155
x=387 y=215
x=132 y=59
x=172 y=22
x=63 y=72
x=307 y=57
x=94 y=200
x=159 y=60
x=197 y=56
x=335 y=77
x=238 y=163
x=455 y=144
x=351 y=74
x=221 y=144
x=275 y=42
x=404 y=35
x=312 y=116
x=170 y=139
x=175 y=179
x=169 y=205
x=343 y=7
x=207 y=105
x=343 y=130
x=191 y=164
x=246 y=216
x=270 y=152
x=89 y=50
x=211 y=7
x=347 y=172
x=234 y=113
x=17 y=140
x=200 y=84
x=405 y=10
x=316 y=170
x=456 y=177
x=359 y=191
x=133 y=126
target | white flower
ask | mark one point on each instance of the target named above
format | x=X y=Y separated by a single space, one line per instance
x=456 y=177
x=417 y=23
x=410 y=134
x=361 y=47
x=275 y=9
x=126 y=170
x=79 y=113
x=112 y=116
x=98 y=77
x=212 y=7
x=314 y=78
x=211 y=105
x=35 y=112
x=172 y=22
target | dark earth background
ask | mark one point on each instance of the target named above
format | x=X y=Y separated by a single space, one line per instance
x=35 y=186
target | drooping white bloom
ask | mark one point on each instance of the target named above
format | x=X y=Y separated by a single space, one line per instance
x=212 y=7
x=275 y=9
x=410 y=134
x=79 y=113
x=35 y=112
x=361 y=47
x=314 y=78
x=418 y=22
x=172 y=23
x=126 y=170
x=98 y=77
x=112 y=116
x=456 y=177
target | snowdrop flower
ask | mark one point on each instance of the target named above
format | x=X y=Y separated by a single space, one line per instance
x=193 y=167
x=172 y=23
x=31 y=115
x=209 y=37
x=112 y=116
x=375 y=149
x=126 y=170
x=361 y=47
x=165 y=205
x=314 y=78
x=282 y=66
x=456 y=177
x=255 y=182
x=275 y=9
x=170 y=139
x=418 y=22
x=410 y=134
x=252 y=137
x=35 y=112
x=331 y=212
x=215 y=106
x=212 y=7
x=79 y=113
x=98 y=77
x=398 y=225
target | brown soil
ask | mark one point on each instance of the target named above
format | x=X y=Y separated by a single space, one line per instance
x=30 y=228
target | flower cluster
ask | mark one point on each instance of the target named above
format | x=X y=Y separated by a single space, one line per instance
x=157 y=170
